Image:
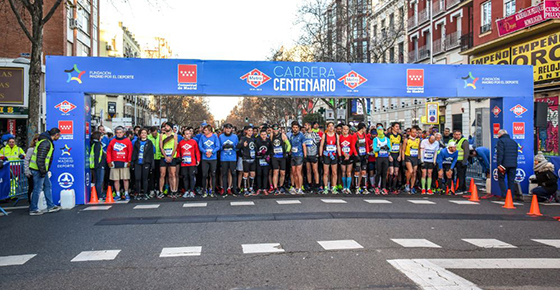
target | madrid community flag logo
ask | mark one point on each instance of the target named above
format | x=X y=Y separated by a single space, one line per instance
x=415 y=81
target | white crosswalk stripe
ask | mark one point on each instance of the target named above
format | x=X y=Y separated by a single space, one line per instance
x=98 y=207
x=463 y=202
x=377 y=201
x=147 y=206
x=340 y=245
x=288 y=201
x=489 y=243
x=420 y=201
x=333 y=201
x=503 y=202
x=15 y=260
x=195 y=204
x=96 y=256
x=241 y=203
x=180 y=252
x=262 y=248
x=415 y=243
x=549 y=242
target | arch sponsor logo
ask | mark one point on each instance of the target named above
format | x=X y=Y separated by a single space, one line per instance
x=415 y=81
x=352 y=79
x=495 y=174
x=66 y=129
x=65 y=107
x=518 y=110
x=470 y=81
x=519 y=175
x=496 y=111
x=255 y=78
x=65 y=180
x=74 y=74
x=495 y=129
x=187 y=77
x=518 y=130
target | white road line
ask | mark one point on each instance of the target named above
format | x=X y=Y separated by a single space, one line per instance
x=195 y=204
x=333 y=201
x=376 y=201
x=415 y=243
x=288 y=201
x=15 y=260
x=96 y=256
x=16 y=207
x=549 y=242
x=262 y=248
x=541 y=203
x=340 y=245
x=489 y=243
x=98 y=207
x=432 y=274
x=462 y=202
x=180 y=252
x=147 y=206
x=240 y=203
x=2 y=214
x=503 y=202
x=420 y=201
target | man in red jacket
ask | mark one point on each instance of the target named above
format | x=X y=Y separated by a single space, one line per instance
x=119 y=153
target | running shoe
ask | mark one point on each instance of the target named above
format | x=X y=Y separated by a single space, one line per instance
x=365 y=191
x=300 y=192
x=423 y=191
x=54 y=209
x=377 y=191
x=152 y=194
x=211 y=194
x=126 y=197
x=413 y=191
x=160 y=195
x=325 y=190
x=282 y=190
x=186 y=195
x=293 y=191
x=229 y=190
x=430 y=192
x=334 y=190
x=384 y=191
x=358 y=190
x=407 y=188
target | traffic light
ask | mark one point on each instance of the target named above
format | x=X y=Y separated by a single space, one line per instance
x=246 y=119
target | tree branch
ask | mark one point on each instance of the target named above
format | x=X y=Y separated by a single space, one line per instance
x=20 y=19
x=51 y=12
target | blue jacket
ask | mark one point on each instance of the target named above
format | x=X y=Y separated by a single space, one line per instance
x=506 y=151
x=209 y=144
x=444 y=157
x=483 y=156
x=229 y=145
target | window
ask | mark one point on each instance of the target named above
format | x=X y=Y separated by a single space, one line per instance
x=392 y=55
x=83 y=17
x=486 y=19
x=509 y=7
x=364 y=51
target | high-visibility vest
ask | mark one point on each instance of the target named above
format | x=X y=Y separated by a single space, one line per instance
x=33 y=162
x=92 y=155
x=460 y=149
x=12 y=154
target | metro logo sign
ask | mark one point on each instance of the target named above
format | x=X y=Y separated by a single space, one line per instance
x=255 y=78
x=518 y=110
x=518 y=130
x=352 y=79
x=65 y=107
x=496 y=111
x=187 y=73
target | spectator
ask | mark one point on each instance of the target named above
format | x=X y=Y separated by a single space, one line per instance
x=483 y=156
x=143 y=161
x=39 y=166
x=97 y=163
x=545 y=178
x=446 y=136
x=119 y=153
x=11 y=151
x=462 y=160
x=506 y=150
x=26 y=161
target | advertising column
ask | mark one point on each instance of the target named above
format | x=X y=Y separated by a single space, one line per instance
x=515 y=115
x=70 y=113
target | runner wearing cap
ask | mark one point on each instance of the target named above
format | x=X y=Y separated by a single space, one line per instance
x=428 y=151
x=168 y=146
x=280 y=146
x=411 y=145
x=247 y=147
x=228 y=159
x=312 y=141
x=446 y=161
x=361 y=159
x=298 y=152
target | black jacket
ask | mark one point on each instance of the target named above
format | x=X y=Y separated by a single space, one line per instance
x=98 y=149
x=264 y=148
x=148 y=153
x=547 y=180
x=43 y=151
x=506 y=151
x=246 y=150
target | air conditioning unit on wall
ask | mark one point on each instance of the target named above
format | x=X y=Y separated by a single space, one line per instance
x=74 y=23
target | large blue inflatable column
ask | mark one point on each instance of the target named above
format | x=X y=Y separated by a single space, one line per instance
x=70 y=112
x=515 y=115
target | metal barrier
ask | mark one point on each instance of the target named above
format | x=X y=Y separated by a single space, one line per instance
x=474 y=170
x=18 y=183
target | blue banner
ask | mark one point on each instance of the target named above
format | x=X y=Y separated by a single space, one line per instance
x=556 y=161
x=5 y=181
x=262 y=78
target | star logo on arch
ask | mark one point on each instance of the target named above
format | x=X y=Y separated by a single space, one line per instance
x=472 y=82
x=74 y=74
x=66 y=150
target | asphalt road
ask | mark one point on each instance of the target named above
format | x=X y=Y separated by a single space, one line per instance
x=375 y=260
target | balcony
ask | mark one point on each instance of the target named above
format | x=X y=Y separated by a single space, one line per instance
x=437 y=7
x=451 y=3
x=485 y=28
x=412 y=22
x=423 y=15
x=466 y=41
x=423 y=52
x=453 y=40
x=439 y=46
x=412 y=56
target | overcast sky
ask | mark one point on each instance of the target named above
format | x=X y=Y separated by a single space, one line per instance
x=217 y=29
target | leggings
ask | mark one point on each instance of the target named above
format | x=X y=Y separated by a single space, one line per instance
x=189 y=177
x=262 y=177
x=228 y=166
x=141 y=174
x=382 y=166
x=209 y=169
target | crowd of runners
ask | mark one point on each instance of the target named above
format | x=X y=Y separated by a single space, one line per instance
x=270 y=160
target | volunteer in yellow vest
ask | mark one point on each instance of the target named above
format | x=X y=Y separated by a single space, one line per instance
x=39 y=166
x=411 y=146
x=462 y=160
x=11 y=151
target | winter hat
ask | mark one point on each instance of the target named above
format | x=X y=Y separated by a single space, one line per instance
x=540 y=157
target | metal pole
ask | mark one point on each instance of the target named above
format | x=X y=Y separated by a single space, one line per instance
x=160 y=111
x=431 y=31
x=135 y=110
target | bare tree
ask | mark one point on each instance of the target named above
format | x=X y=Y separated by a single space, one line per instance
x=187 y=110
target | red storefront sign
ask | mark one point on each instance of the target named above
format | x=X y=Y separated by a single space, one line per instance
x=12 y=126
x=528 y=17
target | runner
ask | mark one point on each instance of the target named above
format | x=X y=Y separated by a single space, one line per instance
x=264 y=150
x=228 y=159
x=142 y=161
x=348 y=149
x=396 y=156
x=312 y=141
x=446 y=160
x=361 y=160
x=411 y=145
x=209 y=145
x=248 y=152
x=190 y=159
x=372 y=160
x=280 y=145
x=298 y=152
x=428 y=151
x=382 y=146
x=168 y=148
x=329 y=150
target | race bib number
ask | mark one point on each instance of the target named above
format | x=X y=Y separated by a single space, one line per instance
x=362 y=151
x=429 y=155
x=278 y=150
x=252 y=153
x=187 y=159
x=346 y=150
x=209 y=150
x=395 y=147
x=294 y=149
x=414 y=152
x=262 y=162
x=331 y=148
x=168 y=151
x=309 y=142
x=383 y=153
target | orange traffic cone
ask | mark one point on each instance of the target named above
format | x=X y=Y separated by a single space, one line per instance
x=452 y=187
x=509 y=201
x=471 y=186
x=109 y=198
x=93 y=197
x=457 y=184
x=474 y=195
x=535 y=211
